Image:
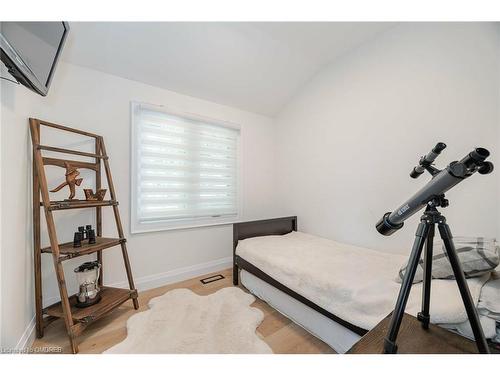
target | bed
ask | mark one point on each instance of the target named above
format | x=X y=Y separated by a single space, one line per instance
x=335 y=291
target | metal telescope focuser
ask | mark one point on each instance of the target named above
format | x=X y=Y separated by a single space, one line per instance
x=442 y=181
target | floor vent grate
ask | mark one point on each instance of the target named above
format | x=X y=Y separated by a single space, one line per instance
x=211 y=279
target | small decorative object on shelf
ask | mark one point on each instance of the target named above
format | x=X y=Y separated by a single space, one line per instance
x=91 y=234
x=81 y=229
x=87 y=275
x=71 y=180
x=77 y=239
x=84 y=233
x=98 y=196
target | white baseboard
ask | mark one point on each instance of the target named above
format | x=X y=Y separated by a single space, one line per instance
x=142 y=283
x=179 y=274
x=27 y=337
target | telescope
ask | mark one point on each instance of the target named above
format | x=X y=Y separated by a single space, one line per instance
x=441 y=182
x=432 y=196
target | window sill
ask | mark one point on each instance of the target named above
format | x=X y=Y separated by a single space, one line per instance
x=162 y=227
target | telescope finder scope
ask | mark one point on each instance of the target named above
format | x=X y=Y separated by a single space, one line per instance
x=427 y=160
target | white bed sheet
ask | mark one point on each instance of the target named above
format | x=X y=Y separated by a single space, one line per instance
x=356 y=284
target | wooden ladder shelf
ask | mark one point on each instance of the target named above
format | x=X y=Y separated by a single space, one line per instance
x=76 y=319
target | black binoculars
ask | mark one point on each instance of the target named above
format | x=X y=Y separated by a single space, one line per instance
x=84 y=233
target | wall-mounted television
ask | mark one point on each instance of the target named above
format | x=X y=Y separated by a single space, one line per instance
x=30 y=51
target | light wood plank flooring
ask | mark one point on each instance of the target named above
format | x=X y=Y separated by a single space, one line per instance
x=280 y=333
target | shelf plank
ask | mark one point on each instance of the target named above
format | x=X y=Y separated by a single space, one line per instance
x=72 y=152
x=78 y=203
x=67 y=251
x=111 y=298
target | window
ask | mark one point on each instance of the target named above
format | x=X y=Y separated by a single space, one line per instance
x=184 y=170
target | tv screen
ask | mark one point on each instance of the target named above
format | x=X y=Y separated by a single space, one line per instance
x=30 y=51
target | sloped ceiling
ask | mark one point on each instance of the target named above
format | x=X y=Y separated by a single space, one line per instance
x=257 y=67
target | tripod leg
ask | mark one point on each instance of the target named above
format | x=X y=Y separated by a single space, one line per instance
x=445 y=232
x=424 y=316
x=397 y=315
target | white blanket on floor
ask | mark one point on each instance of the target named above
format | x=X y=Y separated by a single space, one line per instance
x=354 y=283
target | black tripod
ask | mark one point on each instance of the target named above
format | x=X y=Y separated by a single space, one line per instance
x=425 y=234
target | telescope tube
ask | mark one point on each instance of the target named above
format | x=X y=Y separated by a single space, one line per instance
x=437 y=186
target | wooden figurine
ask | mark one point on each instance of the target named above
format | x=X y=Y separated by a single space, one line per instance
x=98 y=196
x=71 y=180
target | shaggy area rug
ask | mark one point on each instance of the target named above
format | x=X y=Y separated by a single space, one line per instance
x=181 y=321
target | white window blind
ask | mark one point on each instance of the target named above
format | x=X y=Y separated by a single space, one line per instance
x=186 y=171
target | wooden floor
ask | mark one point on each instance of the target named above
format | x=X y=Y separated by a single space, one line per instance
x=280 y=333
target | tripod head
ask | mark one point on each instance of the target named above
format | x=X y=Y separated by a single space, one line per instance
x=442 y=181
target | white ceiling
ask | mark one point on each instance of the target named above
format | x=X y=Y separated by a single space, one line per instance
x=252 y=66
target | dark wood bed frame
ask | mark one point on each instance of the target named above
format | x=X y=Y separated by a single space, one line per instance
x=278 y=226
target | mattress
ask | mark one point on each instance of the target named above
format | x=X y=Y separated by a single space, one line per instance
x=356 y=284
x=332 y=333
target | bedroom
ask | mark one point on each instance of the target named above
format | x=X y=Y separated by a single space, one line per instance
x=251 y=162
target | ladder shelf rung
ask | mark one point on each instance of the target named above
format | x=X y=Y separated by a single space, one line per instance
x=72 y=152
x=75 y=163
x=65 y=128
x=78 y=203
x=67 y=251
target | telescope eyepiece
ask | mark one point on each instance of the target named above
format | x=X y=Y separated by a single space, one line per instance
x=479 y=154
x=475 y=160
x=439 y=147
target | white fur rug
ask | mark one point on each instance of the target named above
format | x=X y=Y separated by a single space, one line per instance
x=181 y=321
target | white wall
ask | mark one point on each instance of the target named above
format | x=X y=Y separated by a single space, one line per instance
x=347 y=142
x=100 y=103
